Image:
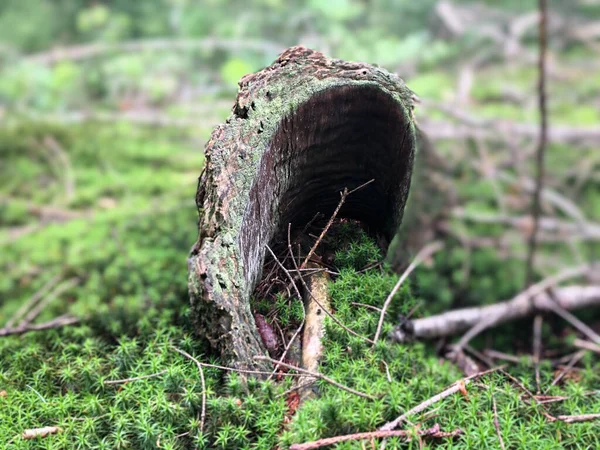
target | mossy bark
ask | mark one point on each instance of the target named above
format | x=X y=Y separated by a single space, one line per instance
x=300 y=131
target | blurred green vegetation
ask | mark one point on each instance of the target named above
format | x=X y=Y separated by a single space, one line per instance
x=99 y=159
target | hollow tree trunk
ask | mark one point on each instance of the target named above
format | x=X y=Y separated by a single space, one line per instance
x=301 y=131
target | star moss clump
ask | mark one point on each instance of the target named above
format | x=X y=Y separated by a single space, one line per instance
x=127 y=254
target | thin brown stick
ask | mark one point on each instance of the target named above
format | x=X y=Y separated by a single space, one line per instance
x=316 y=375
x=364 y=305
x=494 y=354
x=541 y=150
x=343 y=195
x=497 y=422
x=299 y=329
x=203 y=381
x=423 y=254
x=142 y=377
x=434 y=432
x=453 y=389
x=287 y=272
x=537 y=348
x=58 y=322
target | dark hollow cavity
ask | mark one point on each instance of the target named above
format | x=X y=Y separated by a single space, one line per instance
x=341 y=138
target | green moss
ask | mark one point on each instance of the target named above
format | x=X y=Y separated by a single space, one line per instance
x=129 y=259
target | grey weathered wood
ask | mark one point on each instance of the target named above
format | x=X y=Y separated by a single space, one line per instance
x=301 y=130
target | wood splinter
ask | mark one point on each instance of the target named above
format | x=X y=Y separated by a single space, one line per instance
x=316 y=297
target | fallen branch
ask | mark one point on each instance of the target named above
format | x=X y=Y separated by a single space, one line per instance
x=433 y=432
x=525 y=297
x=316 y=375
x=423 y=254
x=573 y=321
x=457 y=321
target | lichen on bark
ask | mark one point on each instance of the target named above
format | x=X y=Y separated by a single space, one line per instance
x=300 y=131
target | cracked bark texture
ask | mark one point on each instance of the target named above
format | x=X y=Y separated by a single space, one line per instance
x=300 y=131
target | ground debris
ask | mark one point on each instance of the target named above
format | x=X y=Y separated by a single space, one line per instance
x=43 y=432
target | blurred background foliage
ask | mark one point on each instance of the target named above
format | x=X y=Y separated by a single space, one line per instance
x=192 y=52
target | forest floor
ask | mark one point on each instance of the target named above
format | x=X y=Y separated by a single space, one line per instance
x=96 y=221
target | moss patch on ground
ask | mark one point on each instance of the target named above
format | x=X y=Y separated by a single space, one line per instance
x=127 y=257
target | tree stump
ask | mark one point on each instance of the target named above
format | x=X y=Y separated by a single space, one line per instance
x=301 y=130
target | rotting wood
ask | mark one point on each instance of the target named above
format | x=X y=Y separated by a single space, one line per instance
x=301 y=131
x=314 y=327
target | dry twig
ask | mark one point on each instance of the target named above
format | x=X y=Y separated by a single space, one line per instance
x=457 y=386
x=58 y=322
x=423 y=254
x=314 y=327
x=203 y=381
x=289 y=344
x=497 y=423
x=316 y=375
x=142 y=377
x=433 y=432
x=343 y=195
x=537 y=348
x=574 y=360
x=541 y=150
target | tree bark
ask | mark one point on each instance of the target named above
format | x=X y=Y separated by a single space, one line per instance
x=301 y=130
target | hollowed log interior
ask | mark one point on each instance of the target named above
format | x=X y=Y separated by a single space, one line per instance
x=342 y=137
x=301 y=130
